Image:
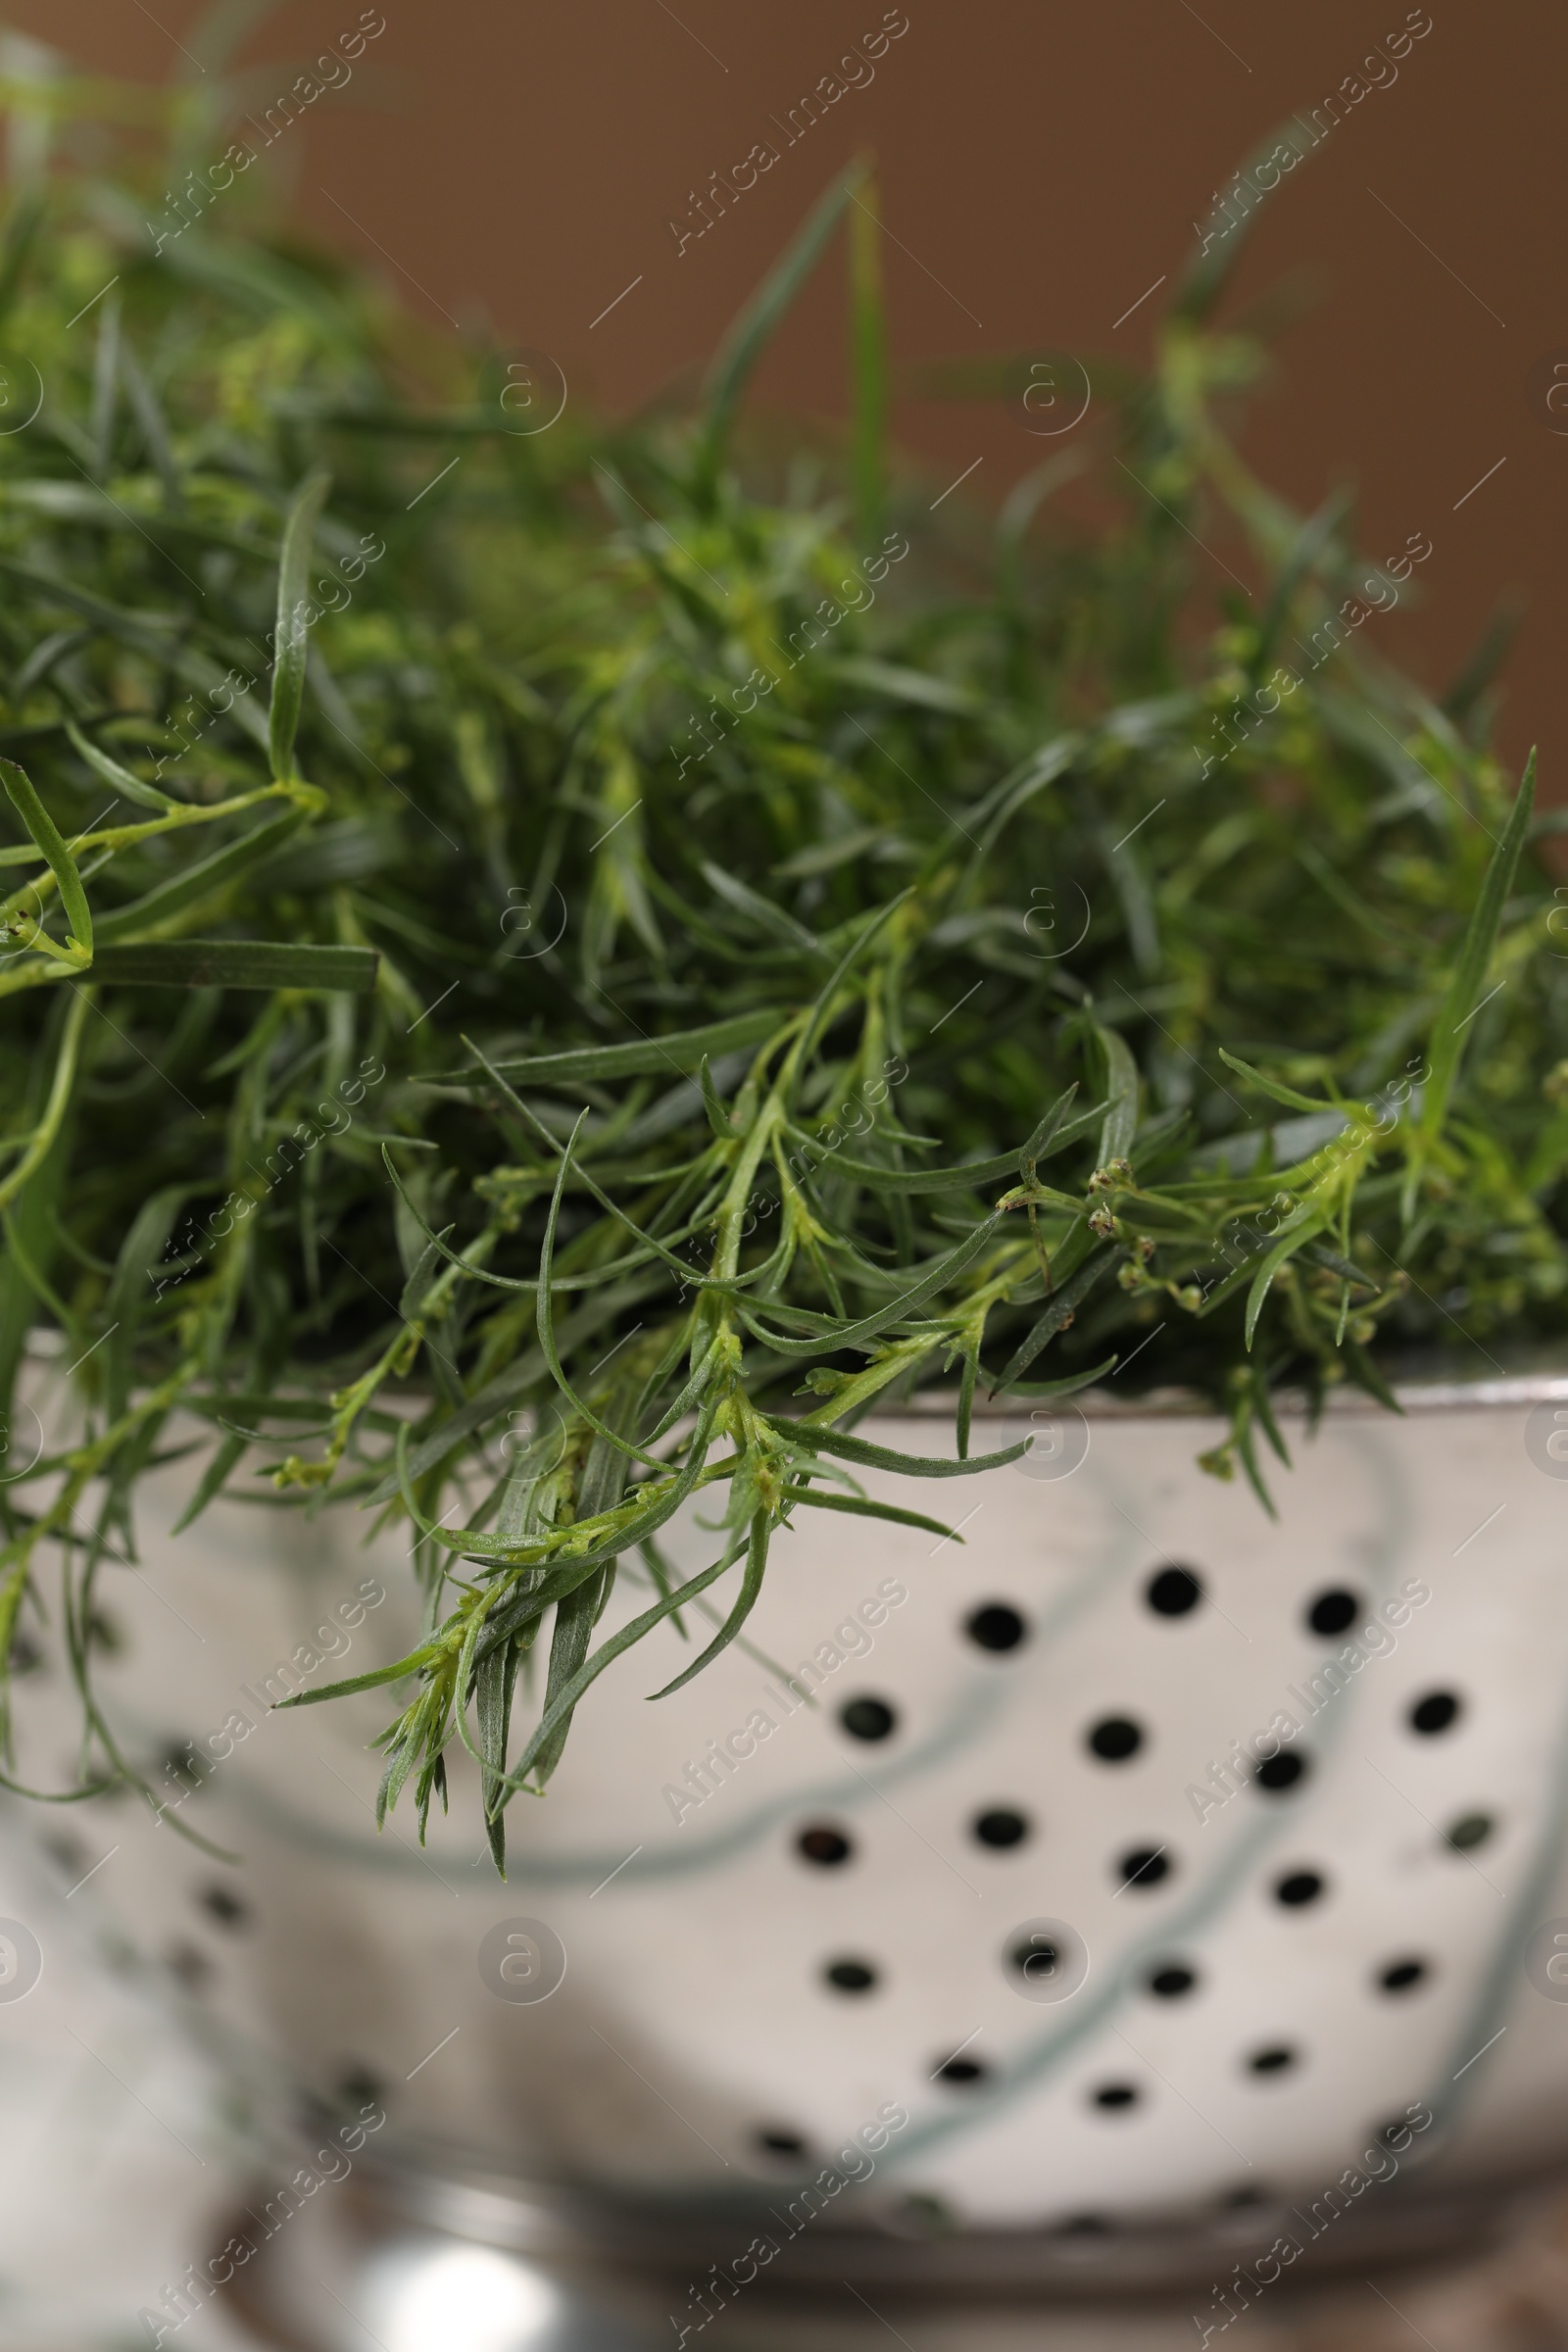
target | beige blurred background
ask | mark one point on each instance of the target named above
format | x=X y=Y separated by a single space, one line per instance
x=1042 y=166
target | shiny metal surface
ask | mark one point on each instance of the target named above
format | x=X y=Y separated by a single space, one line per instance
x=360 y=2269
x=642 y=2022
x=433 y=2266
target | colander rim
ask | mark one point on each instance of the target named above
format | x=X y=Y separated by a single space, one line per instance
x=1436 y=1392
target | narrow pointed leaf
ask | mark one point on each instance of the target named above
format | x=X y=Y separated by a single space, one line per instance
x=681 y=1049
x=760 y=911
x=225 y=1456
x=861 y=1506
x=202 y=880
x=1285 y=1248
x=1121 y=1095
x=606 y=1655
x=717 y=1116
x=427 y=1655
x=839 y=1442
x=1001 y=1165
x=750 y=1593
x=1037 y=1390
x=1040 y=1143
x=261 y=963
x=1208 y=273
x=1065 y=1303
x=1274 y=1088
x=752 y=331
x=46 y=833
x=292 y=633
x=1466 y=987
x=119 y=778
x=941 y=1272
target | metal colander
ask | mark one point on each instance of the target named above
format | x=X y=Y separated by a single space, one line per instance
x=1134 y=1871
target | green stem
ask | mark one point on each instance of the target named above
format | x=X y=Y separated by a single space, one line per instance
x=48 y=1126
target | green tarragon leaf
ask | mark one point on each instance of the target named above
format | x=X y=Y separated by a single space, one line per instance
x=264 y=964
x=292 y=632
x=46 y=833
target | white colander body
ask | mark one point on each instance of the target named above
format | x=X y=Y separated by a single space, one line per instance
x=1238 y=1989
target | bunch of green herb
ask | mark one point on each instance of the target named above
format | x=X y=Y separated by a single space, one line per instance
x=632 y=974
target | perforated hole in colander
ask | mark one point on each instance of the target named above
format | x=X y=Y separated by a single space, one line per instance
x=996 y=1626
x=868 y=1718
x=1172 y=1591
x=1116 y=1738
x=1000 y=1828
x=851 y=1976
x=1332 y=1612
x=1144 y=1867
x=1277 y=2059
x=1116 y=2098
